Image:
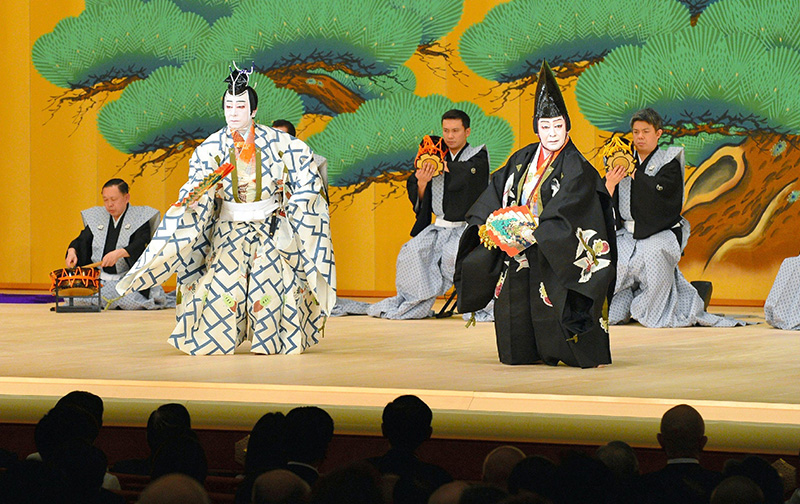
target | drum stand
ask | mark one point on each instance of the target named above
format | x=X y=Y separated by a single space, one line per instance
x=95 y=304
x=77 y=283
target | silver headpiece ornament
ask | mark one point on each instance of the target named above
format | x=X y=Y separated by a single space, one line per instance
x=239 y=79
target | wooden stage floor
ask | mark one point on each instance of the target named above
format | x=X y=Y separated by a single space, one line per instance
x=743 y=380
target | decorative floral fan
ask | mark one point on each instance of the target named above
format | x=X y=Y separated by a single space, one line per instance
x=510 y=228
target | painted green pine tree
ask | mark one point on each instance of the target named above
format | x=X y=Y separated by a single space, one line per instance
x=774 y=22
x=378 y=143
x=731 y=80
x=696 y=7
x=333 y=56
x=709 y=87
x=210 y=10
x=438 y=18
x=288 y=44
x=320 y=100
x=509 y=45
x=112 y=44
x=161 y=117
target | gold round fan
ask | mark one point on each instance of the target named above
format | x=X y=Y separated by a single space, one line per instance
x=430 y=157
x=621 y=158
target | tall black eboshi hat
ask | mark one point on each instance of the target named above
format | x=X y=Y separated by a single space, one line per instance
x=549 y=101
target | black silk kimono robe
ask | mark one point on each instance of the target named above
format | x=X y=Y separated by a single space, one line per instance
x=555 y=307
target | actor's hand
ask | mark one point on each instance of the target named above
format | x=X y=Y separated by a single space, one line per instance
x=72 y=258
x=112 y=257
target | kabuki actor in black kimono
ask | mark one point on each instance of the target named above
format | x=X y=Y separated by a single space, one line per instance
x=552 y=291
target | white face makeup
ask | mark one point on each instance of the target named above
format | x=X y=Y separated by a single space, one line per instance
x=552 y=133
x=237 y=111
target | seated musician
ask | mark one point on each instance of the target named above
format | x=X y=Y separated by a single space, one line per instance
x=115 y=235
x=651 y=236
x=447 y=180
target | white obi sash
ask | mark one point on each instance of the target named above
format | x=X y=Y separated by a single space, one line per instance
x=248 y=212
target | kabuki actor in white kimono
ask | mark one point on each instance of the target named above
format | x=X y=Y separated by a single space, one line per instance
x=782 y=309
x=115 y=235
x=253 y=255
x=651 y=234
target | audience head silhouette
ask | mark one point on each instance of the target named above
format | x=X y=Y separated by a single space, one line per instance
x=407 y=422
x=499 y=463
x=280 y=486
x=761 y=473
x=682 y=432
x=180 y=454
x=266 y=448
x=620 y=458
x=737 y=490
x=91 y=403
x=167 y=421
x=61 y=424
x=174 y=489
x=310 y=431
x=534 y=474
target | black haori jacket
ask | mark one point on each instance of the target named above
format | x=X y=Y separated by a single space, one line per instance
x=656 y=194
x=465 y=181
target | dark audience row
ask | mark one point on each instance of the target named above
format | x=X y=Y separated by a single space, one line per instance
x=284 y=452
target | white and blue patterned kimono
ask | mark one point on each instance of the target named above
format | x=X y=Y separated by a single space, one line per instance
x=268 y=278
x=782 y=308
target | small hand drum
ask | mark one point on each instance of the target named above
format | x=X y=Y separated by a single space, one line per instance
x=76 y=281
x=432 y=148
